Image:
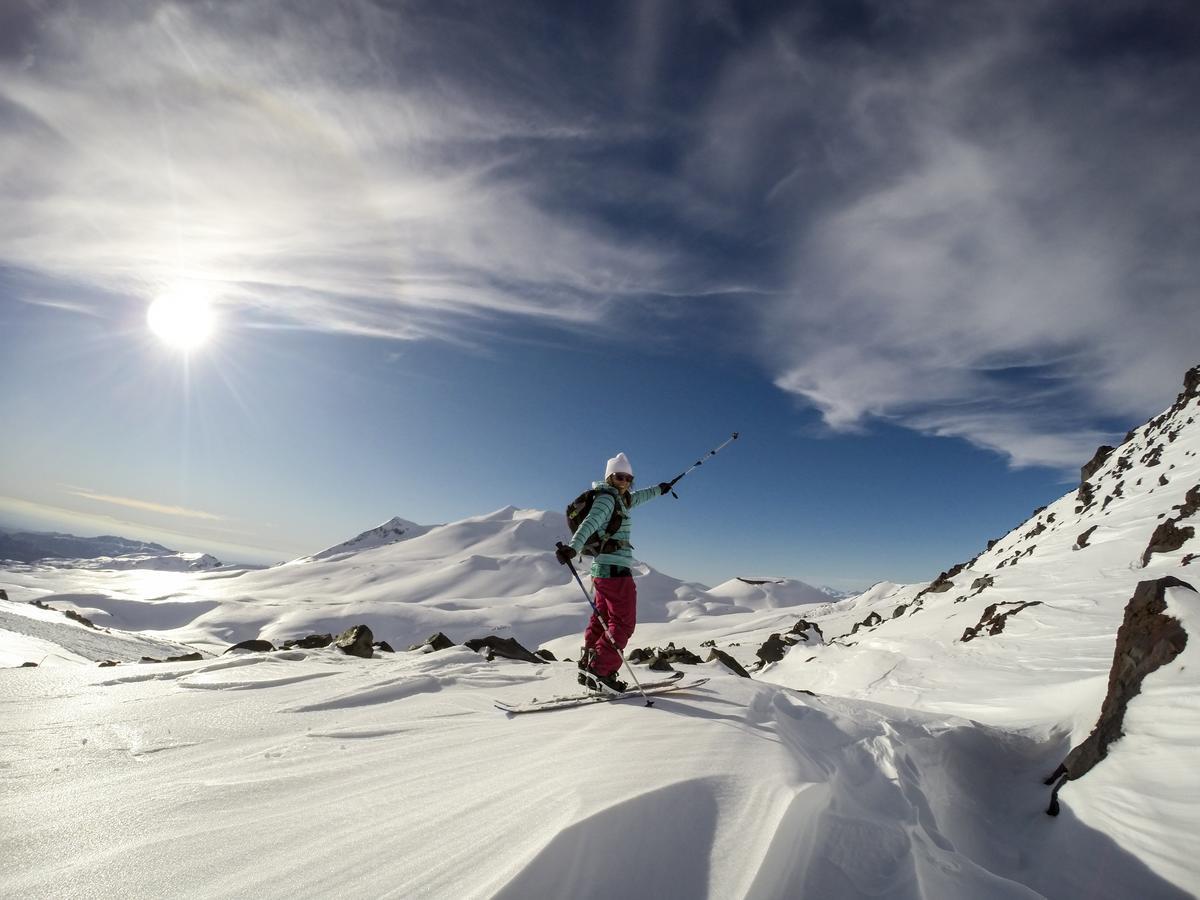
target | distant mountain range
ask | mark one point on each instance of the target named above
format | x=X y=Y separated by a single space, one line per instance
x=32 y=546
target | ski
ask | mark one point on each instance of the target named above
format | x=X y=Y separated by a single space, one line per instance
x=656 y=687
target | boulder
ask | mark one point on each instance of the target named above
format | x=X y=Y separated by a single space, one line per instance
x=3 y=594
x=772 y=650
x=436 y=641
x=356 y=641
x=1082 y=540
x=728 y=661
x=384 y=647
x=1147 y=640
x=312 y=642
x=507 y=648
x=252 y=646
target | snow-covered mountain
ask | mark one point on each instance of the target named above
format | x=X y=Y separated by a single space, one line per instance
x=892 y=743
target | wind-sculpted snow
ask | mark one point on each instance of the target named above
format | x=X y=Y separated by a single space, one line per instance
x=314 y=773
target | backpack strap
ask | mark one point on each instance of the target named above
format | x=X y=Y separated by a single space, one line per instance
x=614 y=523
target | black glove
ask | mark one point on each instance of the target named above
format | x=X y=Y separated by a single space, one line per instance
x=665 y=487
x=564 y=554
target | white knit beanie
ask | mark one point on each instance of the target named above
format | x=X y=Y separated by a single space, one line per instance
x=619 y=463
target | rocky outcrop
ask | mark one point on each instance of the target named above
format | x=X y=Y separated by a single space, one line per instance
x=1147 y=640
x=727 y=661
x=661 y=659
x=506 y=648
x=1093 y=465
x=994 y=621
x=1167 y=538
x=252 y=646
x=436 y=641
x=356 y=641
x=773 y=650
x=184 y=657
x=311 y=642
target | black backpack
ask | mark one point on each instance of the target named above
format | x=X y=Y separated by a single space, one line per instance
x=601 y=541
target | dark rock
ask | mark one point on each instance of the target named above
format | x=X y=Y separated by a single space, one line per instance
x=433 y=643
x=1162 y=481
x=383 y=647
x=1082 y=540
x=311 y=642
x=870 y=621
x=660 y=664
x=3 y=594
x=254 y=645
x=992 y=543
x=356 y=641
x=26 y=665
x=1191 y=503
x=772 y=650
x=1147 y=640
x=108 y=662
x=983 y=581
x=1092 y=465
x=507 y=648
x=185 y=657
x=899 y=611
x=993 y=622
x=1153 y=457
x=76 y=617
x=546 y=655
x=803 y=626
x=708 y=643
x=728 y=661
x=1167 y=538
x=1187 y=560
x=1085 y=496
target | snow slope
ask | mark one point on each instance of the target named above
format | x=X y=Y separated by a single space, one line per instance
x=914 y=771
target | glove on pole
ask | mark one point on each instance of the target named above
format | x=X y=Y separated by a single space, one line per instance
x=607 y=633
x=670 y=484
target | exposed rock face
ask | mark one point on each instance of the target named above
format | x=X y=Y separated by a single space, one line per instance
x=508 y=648
x=1093 y=465
x=728 y=661
x=1167 y=538
x=356 y=641
x=253 y=646
x=435 y=642
x=1147 y=640
x=772 y=650
x=870 y=621
x=995 y=623
x=185 y=657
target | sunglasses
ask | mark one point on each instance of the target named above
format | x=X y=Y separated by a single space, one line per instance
x=621 y=476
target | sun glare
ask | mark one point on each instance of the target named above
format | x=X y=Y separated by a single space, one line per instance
x=182 y=319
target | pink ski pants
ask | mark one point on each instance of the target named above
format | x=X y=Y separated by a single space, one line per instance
x=616 y=600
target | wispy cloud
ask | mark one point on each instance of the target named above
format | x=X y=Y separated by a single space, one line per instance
x=144 y=505
x=975 y=222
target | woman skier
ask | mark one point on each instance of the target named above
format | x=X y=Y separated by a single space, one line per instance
x=616 y=593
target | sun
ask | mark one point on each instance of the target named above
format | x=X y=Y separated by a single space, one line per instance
x=183 y=319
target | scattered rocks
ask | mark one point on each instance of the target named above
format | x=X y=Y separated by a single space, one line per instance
x=252 y=646
x=1147 y=640
x=660 y=659
x=76 y=617
x=807 y=631
x=1084 y=497
x=1191 y=503
x=433 y=643
x=356 y=641
x=312 y=642
x=995 y=623
x=983 y=581
x=870 y=621
x=507 y=648
x=728 y=661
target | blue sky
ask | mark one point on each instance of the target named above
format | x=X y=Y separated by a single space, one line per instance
x=923 y=256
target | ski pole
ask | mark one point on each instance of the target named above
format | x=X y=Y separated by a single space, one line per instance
x=700 y=462
x=607 y=633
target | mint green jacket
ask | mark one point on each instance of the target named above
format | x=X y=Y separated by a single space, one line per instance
x=601 y=511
